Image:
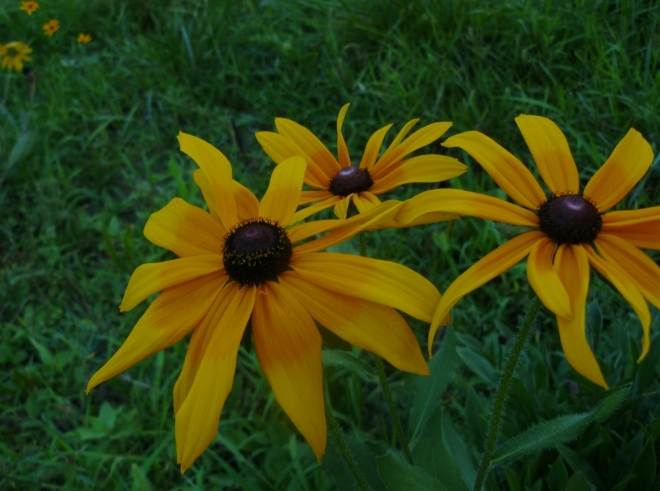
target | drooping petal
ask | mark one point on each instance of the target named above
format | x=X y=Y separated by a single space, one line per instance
x=196 y=421
x=506 y=170
x=283 y=193
x=150 y=278
x=205 y=187
x=382 y=282
x=367 y=325
x=641 y=228
x=572 y=266
x=279 y=148
x=309 y=144
x=185 y=230
x=464 y=203
x=420 y=138
x=314 y=196
x=168 y=319
x=629 y=161
x=341 y=207
x=247 y=204
x=372 y=149
x=365 y=201
x=342 y=149
x=551 y=153
x=627 y=287
x=488 y=267
x=328 y=202
x=424 y=168
x=218 y=171
x=288 y=346
x=544 y=279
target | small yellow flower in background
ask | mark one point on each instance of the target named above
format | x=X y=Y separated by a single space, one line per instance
x=29 y=6
x=14 y=54
x=51 y=26
x=84 y=38
x=337 y=183
x=572 y=230
x=242 y=261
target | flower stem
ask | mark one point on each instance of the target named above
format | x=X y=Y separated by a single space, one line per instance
x=345 y=452
x=502 y=392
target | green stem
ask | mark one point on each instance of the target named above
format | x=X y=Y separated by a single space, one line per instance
x=345 y=452
x=363 y=245
x=502 y=392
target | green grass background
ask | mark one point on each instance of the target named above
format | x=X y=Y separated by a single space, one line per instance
x=89 y=154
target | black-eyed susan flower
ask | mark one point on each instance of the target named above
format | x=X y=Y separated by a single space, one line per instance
x=51 y=27
x=336 y=182
x=14 y=54
x=84 y=38
x=572 y=230
x=29 y=6
x=239 y=261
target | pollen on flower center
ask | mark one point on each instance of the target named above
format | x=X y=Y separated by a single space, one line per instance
x=256 y=250
x=569 y=219
x=350 y=180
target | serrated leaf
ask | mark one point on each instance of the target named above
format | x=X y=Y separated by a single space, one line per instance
x=398 y=475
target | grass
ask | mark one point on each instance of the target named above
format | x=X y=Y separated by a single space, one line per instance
x=86 y=160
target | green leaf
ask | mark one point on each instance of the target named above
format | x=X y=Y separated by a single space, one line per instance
x=559 y=430
x=579 y=465
x=457 y=446
x=401 y=476
x=577 y=482
x=430 y=389
x=19 y=151
x=557 y=475
x=646 y=369
x=478 y=364
x=46 y=356
x=346 y=359
x=644 y=468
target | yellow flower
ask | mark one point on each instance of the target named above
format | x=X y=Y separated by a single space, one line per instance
x=14 y=54
x=51 y=26
x=240 y=261
x=84 y=38
x=29 y=6
x=337 y=183
x=572 y=230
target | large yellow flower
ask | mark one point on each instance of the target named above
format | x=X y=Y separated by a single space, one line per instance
x=14 y=54
x=336 y=182
x=240 y=261
x=572 y=229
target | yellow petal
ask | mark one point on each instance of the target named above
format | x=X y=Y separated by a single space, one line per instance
x=168 y=319
x=629 y=161
x=420 y=138
x=424 y=168
x=464 y=203
x=196 y=422
x=627 y=287
x=150 y=278
x=247 y=204
x=341 y=207
x=342 y=149
x=365 y=201
x=402 y=133
x=300 y=215
x=309 y=144
x=573 y=268
x=367 y=325
x=372 y=149
x=218 y=171
x=640 y=228
x=185 y=230
x=544 y=279
x=288 y=346
x=505 y=169
x=283 y=193
x=205 y=187
x=279 y=148
x=484 y=270
x=551 y=153
x=314 y=196
x=382 y=282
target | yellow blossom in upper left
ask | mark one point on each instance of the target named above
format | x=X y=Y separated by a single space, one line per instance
x=14 y=54
x=51 y=26
x=29 y=6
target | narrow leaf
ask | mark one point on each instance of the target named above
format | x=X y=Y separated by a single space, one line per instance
x=401 y=476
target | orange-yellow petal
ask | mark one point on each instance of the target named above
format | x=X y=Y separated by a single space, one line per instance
x=572 y=266
x=629 y=161
x=639 y=227
x=424 y=168
x=402 y=133
x=314 y=196
x=150 y=278
x=506 y=170
x=365 y=201
x=205 y=187
x=488 y=267
x=288 y=346
x=283 y=193
x=341 y=207
x=328 y=202
x=218 y=171
x=342 y=149
x=373 y=147
x=551 y=153
x=247 y=204
x=382 y=282
x=196 y=422
x=544 y=279
x=185 y=230
x=367 y=325
x=168 y=319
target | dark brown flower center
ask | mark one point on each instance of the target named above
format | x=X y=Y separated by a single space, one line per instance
x=569 y=219
x=256 y=250
x=350 y=180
